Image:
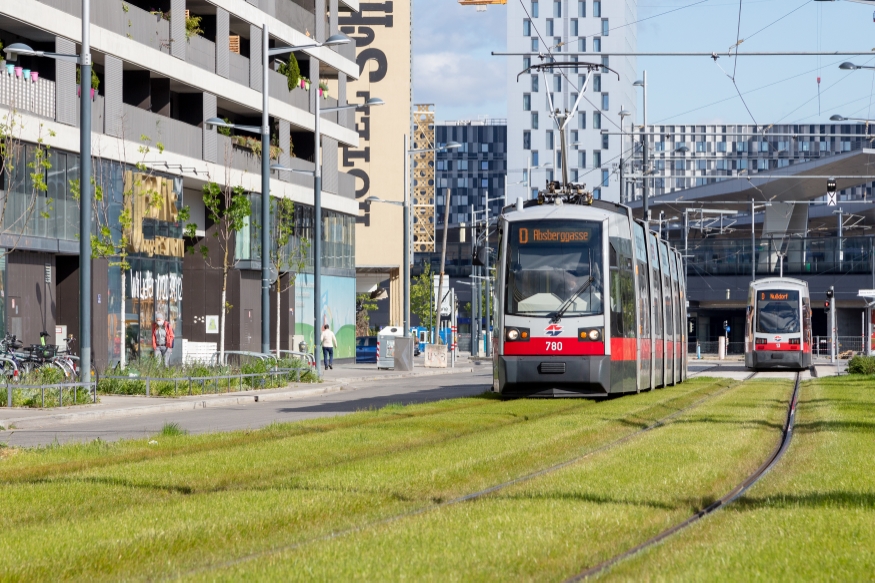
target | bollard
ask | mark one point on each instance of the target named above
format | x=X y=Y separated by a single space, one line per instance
x=698 y=351
x=147 y=387
x=721 y=348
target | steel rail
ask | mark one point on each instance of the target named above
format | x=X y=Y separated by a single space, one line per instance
x=472 y=496
x=728 y=498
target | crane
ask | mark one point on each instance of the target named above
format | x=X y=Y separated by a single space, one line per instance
x=481 y=4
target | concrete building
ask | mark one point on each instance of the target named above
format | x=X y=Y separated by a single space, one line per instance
x=162 y=68
x=584 y=28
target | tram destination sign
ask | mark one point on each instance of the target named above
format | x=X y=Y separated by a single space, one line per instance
x=866 y=293
x=548 y=235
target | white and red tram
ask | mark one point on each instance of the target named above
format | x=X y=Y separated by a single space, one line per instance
x=778 y=325
x=589 y=304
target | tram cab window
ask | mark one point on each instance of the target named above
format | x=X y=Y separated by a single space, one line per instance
x=777 y=311
x=553 y=264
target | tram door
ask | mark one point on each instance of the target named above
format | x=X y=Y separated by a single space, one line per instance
x=668 y=311
x=683 y=326
x=676 y=316
x=656 y=311
x=642 y=281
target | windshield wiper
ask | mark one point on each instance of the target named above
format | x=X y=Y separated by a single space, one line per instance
x=557 y=315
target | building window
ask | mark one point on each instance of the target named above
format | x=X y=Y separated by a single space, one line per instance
x=597 y=83
x=606 y=62
x=721 y=164
x=557 y=42
x=574 y=176
x=484 y=183
x=581 y=158
x=741 y=146
x=575 y=60
x=701 y=147
x=549 y=27
x=597 y=8
x=596 y=159
x=534 y=157
x=742 y=164
x=606 y=102
x=679 y=165
x=574 y=138
x=527 y=140
x=701 y=164
x=606 y=29
x=721 y=146
x=573 y=27
x=679 y=183
x=550 y=145
x=441 y=165
x=763 y=164
x=597 y=193
x=806 y=146
x=573 y=99
x=596 y=45
x=582 y=120
x=557 y=83
x=581 y=9
x=527 y=27
x=534 y=8
x=581 y=45
x=557 y=8
x=596 y=120
x=549 y=176
x=606 y=141
x=484 y=164
x=764 y=146
x=534 y=44
x=534 y=83
x=534 y=120
x=606 y=178
x=463 y=164
x=484 y=148
x=527 y=102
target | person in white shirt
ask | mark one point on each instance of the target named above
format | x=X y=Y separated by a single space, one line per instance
x=329 y=343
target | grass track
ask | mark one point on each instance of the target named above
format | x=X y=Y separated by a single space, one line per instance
x=120 y=510
x=554 y=526
x=811 y=518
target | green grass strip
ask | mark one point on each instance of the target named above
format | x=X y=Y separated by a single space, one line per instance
x=811 y=518
x=553 y=526
x=127 y=514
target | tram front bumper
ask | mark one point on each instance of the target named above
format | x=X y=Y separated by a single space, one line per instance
x=554 y=376
x=777 y=359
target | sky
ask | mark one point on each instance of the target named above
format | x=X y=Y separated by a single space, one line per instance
x=453 y=68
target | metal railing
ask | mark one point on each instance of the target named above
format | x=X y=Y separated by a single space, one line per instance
x=37 y=97
x=821 y=346
x=72 y=388
x=201 y=53
x=176 y=136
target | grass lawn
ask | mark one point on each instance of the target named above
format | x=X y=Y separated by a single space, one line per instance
x=554 y=526
x=137 y=509
x=811 y=518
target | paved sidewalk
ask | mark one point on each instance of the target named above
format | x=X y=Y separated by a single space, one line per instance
x=339 y=379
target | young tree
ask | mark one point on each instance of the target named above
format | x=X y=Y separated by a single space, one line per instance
x=288 y=254
x=422 y=298
x=23 y=196
x=228 y=208
x=364 y=305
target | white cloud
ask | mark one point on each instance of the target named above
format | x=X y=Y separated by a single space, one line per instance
x=462 y=82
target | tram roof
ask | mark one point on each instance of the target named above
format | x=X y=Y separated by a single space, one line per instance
x=778 y=282
x=598 y=210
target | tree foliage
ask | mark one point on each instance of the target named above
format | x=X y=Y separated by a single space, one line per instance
x=422 y=298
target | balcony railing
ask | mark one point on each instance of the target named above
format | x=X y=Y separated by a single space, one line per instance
x=18 y=93
x=808 y=256
x=176 y=136
x=201 y=53
x=238 y=67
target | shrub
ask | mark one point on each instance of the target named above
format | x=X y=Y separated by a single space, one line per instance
x=862 y=365
x=172 y=430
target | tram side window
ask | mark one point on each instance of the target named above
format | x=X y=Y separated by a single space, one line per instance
x=622 y=289
x=669 y=326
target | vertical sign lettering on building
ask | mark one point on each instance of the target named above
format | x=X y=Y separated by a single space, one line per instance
x=381 y=31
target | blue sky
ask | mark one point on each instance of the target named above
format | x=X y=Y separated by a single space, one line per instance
x=454 y=70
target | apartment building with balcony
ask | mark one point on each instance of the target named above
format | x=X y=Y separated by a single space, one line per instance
x=575 y=31
x=162 y=67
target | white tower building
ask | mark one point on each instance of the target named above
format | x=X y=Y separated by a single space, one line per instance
x=569 y=29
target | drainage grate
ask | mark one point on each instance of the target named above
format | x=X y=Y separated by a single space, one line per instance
x=552 y=368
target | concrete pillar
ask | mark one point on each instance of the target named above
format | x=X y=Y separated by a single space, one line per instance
x=222 y=33
x=113 y=84
x=66 y=102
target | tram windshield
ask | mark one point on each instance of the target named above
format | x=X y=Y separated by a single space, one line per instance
x=778 y=311
x=553 y=264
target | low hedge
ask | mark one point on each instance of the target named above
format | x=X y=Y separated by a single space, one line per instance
x=862 y=365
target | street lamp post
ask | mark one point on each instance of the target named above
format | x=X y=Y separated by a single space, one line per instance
x=264 y=131
x=85 y=192
x=623 y=115
x=644 y=150
x=405 y=204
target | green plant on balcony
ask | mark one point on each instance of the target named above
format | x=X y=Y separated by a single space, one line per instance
x=292 y=72
x=323 y=89
x=254 y=145
x=223 y=130
x=192 y=25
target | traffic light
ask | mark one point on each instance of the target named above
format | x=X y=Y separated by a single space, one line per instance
x=829 y=293
x=831 y=186
x=826 y=306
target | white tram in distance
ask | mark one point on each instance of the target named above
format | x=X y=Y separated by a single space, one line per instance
x=589 y=303
x=778 y=324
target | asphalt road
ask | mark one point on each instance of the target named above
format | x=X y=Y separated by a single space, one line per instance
x=367 y=395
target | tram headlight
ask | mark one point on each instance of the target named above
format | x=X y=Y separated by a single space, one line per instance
x=517 y=334
x=513 y=334
x=589 y=334
x=594 y=334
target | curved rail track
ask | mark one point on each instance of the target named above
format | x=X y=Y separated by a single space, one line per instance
x=728 y=498
x=474 y=495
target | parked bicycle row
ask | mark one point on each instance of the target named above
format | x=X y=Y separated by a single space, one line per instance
x=16 y=360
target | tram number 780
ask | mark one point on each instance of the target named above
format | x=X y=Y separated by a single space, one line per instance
x=554 y=346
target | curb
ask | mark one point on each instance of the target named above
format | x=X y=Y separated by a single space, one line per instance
x=229 y=399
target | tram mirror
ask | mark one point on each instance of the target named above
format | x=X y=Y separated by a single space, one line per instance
x=480 y=255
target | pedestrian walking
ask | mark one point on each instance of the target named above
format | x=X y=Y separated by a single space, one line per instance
x=162 y=338
x=329 y=343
